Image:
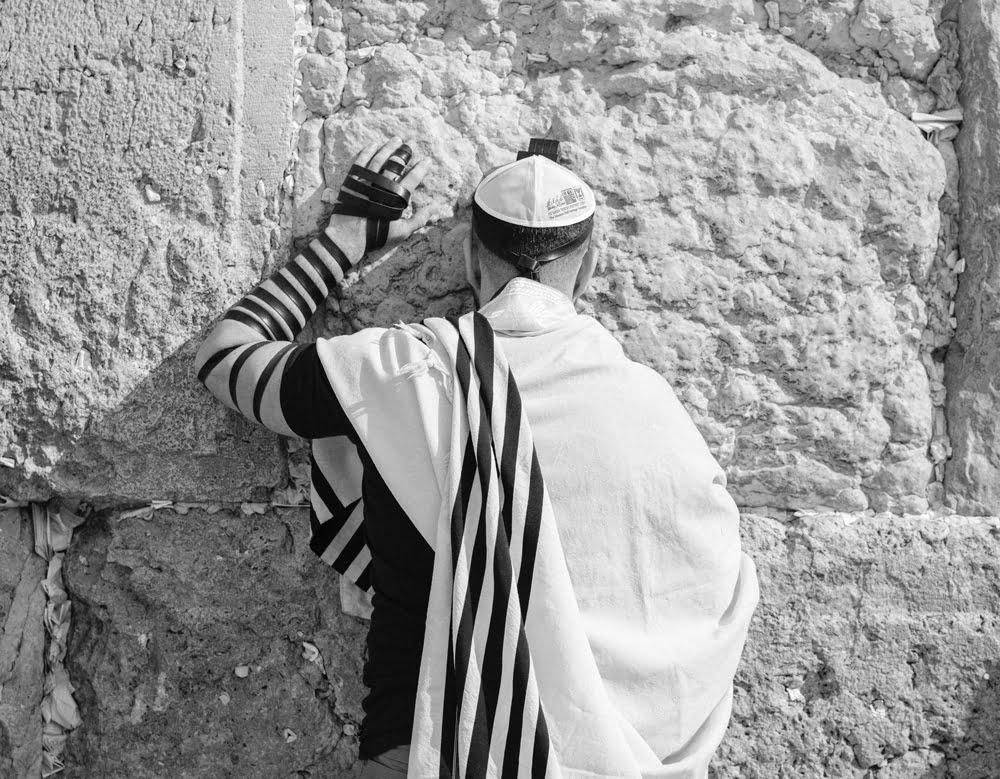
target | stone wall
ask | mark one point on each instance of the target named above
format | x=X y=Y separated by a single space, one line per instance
x=144 y=147
x=973 y=475
x=874 y=651
x=781 y=237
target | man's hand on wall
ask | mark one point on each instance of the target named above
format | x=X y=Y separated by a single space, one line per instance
x=348 y=232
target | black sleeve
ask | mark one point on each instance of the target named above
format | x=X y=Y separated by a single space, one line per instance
x=308 y=402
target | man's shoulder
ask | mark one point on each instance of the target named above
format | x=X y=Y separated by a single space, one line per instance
x=376 y=351
x=604 y=346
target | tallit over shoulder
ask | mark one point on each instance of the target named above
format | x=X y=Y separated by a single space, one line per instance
x=660 y=592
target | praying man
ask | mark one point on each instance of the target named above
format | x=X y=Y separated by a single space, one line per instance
x=540 y=537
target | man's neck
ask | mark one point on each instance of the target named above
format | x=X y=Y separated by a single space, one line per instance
x=491 y=288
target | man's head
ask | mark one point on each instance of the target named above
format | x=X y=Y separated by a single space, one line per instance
x=534 y=218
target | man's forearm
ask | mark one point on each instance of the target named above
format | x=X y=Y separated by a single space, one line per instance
x=245 y=356
x=279 y=307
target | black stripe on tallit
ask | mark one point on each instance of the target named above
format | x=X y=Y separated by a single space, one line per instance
x=353 y=547
x=214 y=360
x=288 y=289
x=325 y=532
x=532 y=523
x=479 y=749
x=234 y=372
x=519 y=690
x=493 y=653
x=310 y=256
x=540 y=753
x=306 y=282
x=466 y=623
x=317 y=542
x=532 y=520
x=278 y=308
x=364 y=580
x=244 y=318
x=468 y=466
x=456 y=679
x=324 y=490
x=482 y=729
x=508 y=462
x=447 y=767
x=265 y=377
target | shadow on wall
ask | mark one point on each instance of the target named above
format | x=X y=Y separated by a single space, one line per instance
x=169 y=439
x=976 y=755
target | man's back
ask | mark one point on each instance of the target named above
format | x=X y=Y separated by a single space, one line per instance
x=649 y=533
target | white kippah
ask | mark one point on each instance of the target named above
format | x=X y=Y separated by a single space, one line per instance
x=535 y=192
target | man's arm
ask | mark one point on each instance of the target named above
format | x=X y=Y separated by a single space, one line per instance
x=250 y=363
x=249 y=360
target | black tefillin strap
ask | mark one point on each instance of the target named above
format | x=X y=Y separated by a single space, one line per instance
x=377 y=196
x=543 y=147
x=529 y=264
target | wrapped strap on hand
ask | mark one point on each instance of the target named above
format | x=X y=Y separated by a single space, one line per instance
x=379 y=197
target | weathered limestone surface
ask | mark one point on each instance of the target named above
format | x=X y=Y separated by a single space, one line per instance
x=777 y=241
x=143 y=147
x=22 y=644
x=768 y=228
x=896 y=42
x=165 y=611
x=887 y=627
x=973 y=473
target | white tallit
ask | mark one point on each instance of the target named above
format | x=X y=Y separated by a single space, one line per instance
x=640 y=595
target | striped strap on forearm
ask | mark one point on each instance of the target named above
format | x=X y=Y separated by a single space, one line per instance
x=279 y=307
x=247 y=377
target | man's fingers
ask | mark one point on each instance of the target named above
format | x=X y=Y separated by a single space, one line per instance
x=366 y=154
x=384 y=153
x=403 y=228
x=416 y=174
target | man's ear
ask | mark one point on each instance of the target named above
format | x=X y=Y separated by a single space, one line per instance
x=587 y=265
x=473 y=273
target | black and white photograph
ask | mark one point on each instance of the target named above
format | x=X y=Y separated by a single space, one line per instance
x=574 y=389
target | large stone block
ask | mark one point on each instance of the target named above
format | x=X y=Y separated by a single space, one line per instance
x=973 y=473
x=187 y=655
x=874 y=647
x=767 y=228
x=143 y=150
x=874 y=651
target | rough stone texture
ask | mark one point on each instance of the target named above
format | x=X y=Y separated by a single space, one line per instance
x=143 y=149
x=778 y=240
x=907 y=47
x=164 y=611
x=768 y=229
x=22 y=647
x=888 y=628
x=973 y=473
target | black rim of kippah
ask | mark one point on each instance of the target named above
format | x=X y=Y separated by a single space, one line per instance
x=494 y=239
